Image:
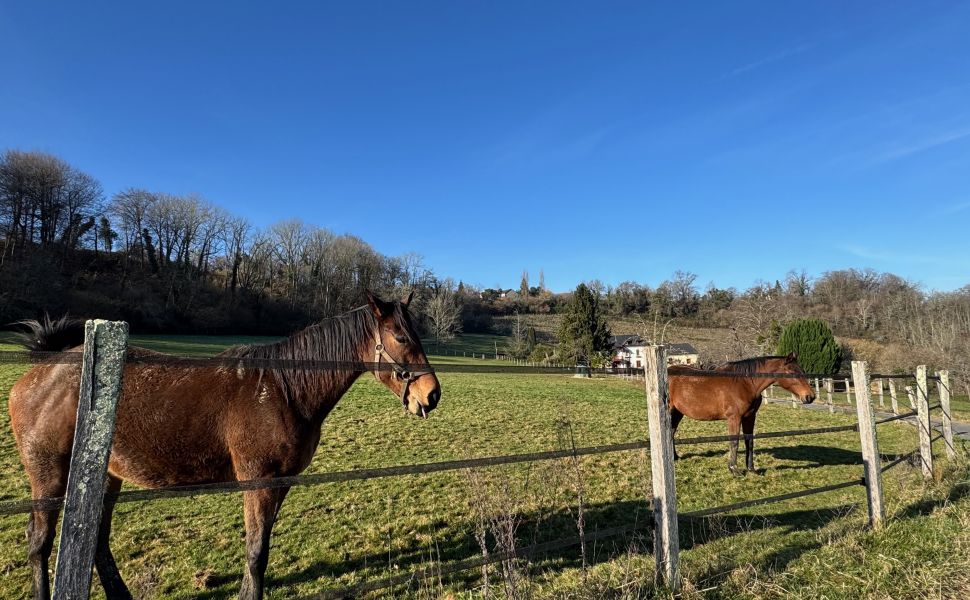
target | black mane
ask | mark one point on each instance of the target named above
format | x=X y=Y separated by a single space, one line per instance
x=51 y=336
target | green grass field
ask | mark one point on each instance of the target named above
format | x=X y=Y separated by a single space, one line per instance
x=340 y=534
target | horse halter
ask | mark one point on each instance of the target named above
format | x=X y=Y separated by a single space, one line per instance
x=402 y=373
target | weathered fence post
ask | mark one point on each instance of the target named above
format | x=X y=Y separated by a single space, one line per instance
x=666 y=546
x=911 y=395
x=870 y=445
x=829 y=384
x=817 y=394
x=923 y=422
x=105 y=345
x=848 y=391
x=944 y=387
x=892 y=396
x=882 y=394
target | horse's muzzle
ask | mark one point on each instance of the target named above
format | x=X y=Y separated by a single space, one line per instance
x=808 y=399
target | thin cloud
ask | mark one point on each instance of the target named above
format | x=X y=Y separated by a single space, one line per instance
x=921 y=146
x=952 y=209
x=766 y=61
x=888 y=256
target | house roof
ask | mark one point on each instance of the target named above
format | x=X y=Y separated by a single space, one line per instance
x=681 y=349
x=622 y=341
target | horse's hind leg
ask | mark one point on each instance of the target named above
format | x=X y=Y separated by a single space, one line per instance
x=114 y=586
x=734 y=427
x=42 y=525
x=747 y=427
x=675 y=417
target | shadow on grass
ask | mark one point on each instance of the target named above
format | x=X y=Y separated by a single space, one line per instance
x=539 y=528
x=927 y=506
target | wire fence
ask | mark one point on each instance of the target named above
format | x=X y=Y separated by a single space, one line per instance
x=227 y=362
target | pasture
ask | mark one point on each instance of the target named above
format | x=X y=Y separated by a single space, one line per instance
x=343 y=533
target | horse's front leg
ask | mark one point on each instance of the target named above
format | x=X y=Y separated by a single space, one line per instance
x=734 y=427
x=261 y=508
x=747 y=427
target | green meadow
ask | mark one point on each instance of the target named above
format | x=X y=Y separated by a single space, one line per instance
x=341 y=534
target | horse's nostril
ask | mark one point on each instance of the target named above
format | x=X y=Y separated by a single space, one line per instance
x=433 y=398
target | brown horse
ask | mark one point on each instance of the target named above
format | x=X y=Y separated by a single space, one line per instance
x=734 y=398
x=179 y=425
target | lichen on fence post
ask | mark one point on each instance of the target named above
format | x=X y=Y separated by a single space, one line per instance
x=923 y=422
x=870 y=445
x=666 y=546
x=102 y=364
x=944 y=387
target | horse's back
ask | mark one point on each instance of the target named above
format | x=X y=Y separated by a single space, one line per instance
x=174 y=424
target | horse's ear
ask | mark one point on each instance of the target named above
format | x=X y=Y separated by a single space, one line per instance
x=377 y=305
x=406 y=301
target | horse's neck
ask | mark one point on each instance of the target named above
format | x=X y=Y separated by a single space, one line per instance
x=317 y=391
x=762 y=383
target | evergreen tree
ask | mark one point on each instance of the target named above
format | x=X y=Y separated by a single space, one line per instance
x=107 y=234
x=813 y=344
x=530 y=338
x=584 y=334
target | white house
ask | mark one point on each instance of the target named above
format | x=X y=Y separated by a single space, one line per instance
x=628 y=351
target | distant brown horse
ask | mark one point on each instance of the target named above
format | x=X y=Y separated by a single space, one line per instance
x=734 y=398
x=179 y=425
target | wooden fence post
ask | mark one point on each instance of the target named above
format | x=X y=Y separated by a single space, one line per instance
x=829 y=384
x=882 y=395
x=848 y=391
x=944 y=387
x=105 y=345
x=666 y=546
x=923 y=422
x=817 y=391
x=911 y=395
x=892 y=396
x=870 y=445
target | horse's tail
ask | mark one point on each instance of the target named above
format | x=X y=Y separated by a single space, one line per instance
x=51 y=335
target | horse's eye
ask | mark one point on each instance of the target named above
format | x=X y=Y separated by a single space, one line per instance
x=400 y=339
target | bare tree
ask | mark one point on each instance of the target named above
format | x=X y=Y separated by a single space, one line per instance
x=443 y=311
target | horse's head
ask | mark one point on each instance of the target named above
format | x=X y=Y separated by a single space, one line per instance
x=402 y=364
x=799 y=386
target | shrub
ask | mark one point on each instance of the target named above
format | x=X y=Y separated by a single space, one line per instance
x=812 y=342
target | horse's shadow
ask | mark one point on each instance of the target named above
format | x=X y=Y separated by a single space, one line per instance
x=807 y=456
x=538 y=529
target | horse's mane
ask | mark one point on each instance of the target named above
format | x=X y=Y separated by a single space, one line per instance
x=50 y=335
x=747 y=366
x=335 y=339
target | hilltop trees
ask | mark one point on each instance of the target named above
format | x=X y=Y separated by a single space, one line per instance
x=812 y=342
x=45 y=202
x=171 y=261
x=584 y=334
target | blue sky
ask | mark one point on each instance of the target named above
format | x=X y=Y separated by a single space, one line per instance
x=609 y=140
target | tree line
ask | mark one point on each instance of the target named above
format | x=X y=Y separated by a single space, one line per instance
x=175 y=262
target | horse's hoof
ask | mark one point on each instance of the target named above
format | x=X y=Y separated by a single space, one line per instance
x=734 y=471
